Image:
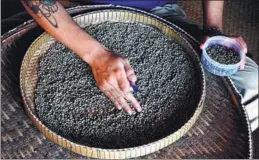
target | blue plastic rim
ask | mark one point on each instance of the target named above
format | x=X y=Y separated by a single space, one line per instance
x=215 y=67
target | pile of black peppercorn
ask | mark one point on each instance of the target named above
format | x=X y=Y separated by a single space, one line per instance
x=69 y=102
x=223 y=55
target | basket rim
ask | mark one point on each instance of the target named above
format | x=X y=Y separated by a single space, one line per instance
x=191 y=120
x=19 y=30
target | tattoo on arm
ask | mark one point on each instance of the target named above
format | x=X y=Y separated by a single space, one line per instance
x=46 y=8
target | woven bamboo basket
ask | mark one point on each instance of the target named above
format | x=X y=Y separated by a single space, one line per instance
x=28 y=82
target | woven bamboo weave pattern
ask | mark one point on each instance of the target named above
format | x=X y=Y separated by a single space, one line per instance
x=28 y=80
x=220 y=119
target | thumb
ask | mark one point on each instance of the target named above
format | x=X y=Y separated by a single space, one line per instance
x=242 y=65
x=241 y=41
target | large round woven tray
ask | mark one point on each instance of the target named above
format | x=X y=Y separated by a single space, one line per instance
x=221 y=131
x=28 y=82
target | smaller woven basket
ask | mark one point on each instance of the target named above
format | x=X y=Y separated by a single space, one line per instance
x=28 y=82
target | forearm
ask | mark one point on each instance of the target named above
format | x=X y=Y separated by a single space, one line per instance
x=51 y=16
x=213 y=13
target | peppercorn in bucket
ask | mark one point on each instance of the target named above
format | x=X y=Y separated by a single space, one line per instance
x=222 y=56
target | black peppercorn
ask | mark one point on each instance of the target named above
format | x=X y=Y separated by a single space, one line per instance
x=166 y=78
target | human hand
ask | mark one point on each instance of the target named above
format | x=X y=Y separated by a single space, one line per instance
x=113 y=75
x=240 y=40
